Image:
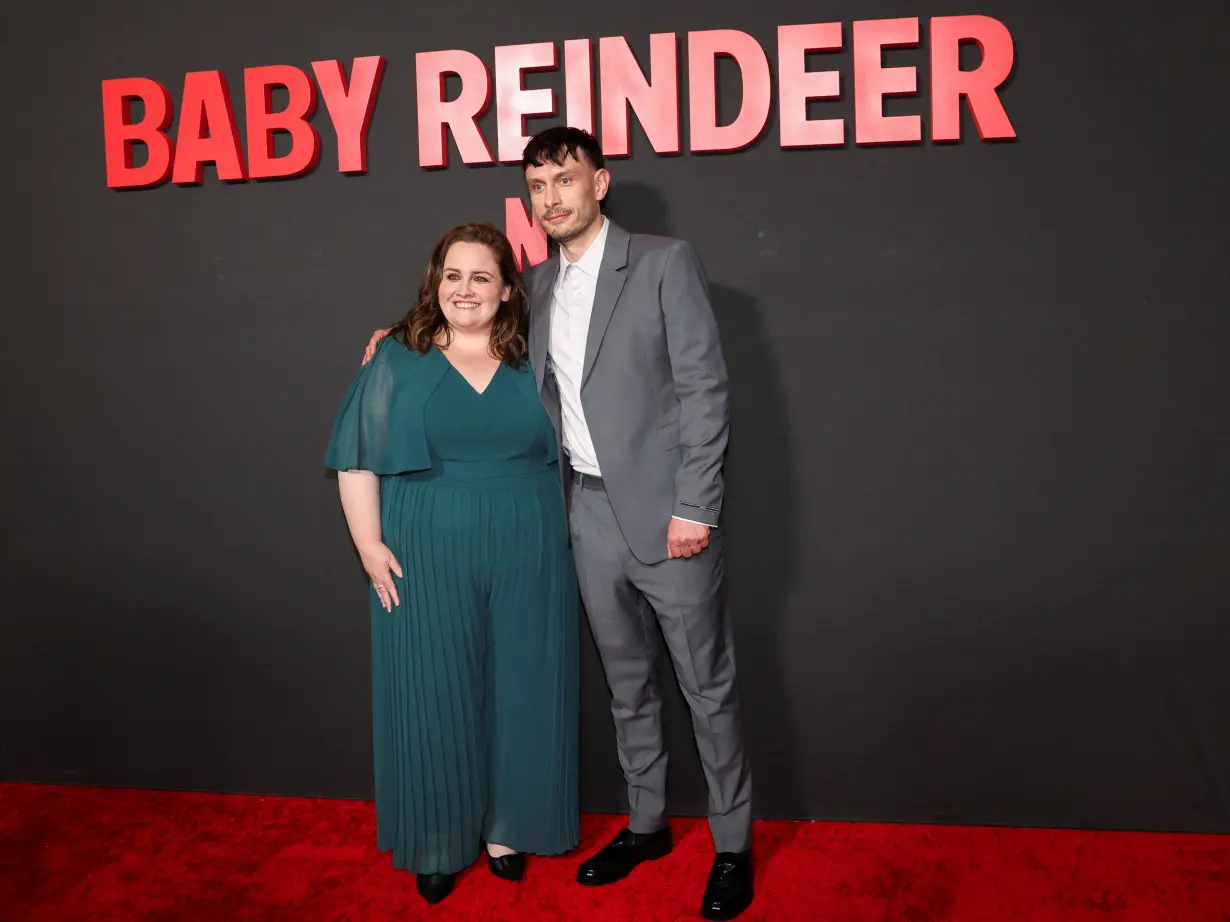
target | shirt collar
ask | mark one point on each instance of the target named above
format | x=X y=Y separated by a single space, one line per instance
x=591 y=261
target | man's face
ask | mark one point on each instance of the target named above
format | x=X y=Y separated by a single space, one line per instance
x=566 y=197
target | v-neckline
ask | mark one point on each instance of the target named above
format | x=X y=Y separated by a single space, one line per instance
x=466 y=381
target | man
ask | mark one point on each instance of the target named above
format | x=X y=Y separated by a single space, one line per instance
x=625 y=350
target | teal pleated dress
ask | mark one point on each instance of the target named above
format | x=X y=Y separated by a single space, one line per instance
x=475 y=674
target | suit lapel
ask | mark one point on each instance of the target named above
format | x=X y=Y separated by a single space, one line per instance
x=610 y=284
x=541 y=305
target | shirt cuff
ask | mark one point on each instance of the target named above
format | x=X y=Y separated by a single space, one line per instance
x=693 y=521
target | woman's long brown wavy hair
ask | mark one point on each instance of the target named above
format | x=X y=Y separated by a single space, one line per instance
x=425 y=324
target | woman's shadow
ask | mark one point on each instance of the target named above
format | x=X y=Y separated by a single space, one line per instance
x=761 y=537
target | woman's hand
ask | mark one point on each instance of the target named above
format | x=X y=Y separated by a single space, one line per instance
x=380 y=565
x=360 y=492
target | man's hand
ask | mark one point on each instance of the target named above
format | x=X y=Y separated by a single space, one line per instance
x=372 y=344
x=685 y=539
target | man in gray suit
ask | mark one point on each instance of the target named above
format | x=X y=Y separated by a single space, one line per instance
x=625 y=349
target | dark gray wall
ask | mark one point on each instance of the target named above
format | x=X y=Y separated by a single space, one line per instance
x=977 y=509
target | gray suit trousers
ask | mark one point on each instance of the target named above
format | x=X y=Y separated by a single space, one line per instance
x=622 y=598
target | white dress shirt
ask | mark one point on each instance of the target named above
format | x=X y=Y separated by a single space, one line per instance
x=573 y=297
x=572 y=306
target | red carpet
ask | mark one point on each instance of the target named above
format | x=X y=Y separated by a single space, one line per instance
x=71 y=853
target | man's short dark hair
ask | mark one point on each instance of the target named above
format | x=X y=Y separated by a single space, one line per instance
x=554 y=145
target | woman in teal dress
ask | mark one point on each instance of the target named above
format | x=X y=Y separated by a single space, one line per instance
x=448 y=475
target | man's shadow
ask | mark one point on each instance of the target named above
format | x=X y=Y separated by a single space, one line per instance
x=761 y=537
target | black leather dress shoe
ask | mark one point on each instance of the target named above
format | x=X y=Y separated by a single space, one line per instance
x=616 y=860
x=434 y=887
x=729 y=890
x=509 y=867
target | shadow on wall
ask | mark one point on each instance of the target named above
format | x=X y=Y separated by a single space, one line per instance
x=761 y=542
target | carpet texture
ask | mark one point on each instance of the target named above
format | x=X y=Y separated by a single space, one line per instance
x=79 y=853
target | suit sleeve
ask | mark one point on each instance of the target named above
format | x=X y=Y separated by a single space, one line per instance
x=699 y=370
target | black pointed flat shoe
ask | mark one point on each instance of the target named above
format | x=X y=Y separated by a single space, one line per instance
x=509 y=867
x=435 y=887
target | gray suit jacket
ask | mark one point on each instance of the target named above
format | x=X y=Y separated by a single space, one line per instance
x=653 y=384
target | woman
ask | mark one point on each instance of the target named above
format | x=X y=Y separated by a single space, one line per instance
x=447 y=469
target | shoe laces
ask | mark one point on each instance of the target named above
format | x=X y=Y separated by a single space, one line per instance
x=723 y=870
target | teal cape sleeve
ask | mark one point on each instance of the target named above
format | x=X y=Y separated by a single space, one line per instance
x=379 y=425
